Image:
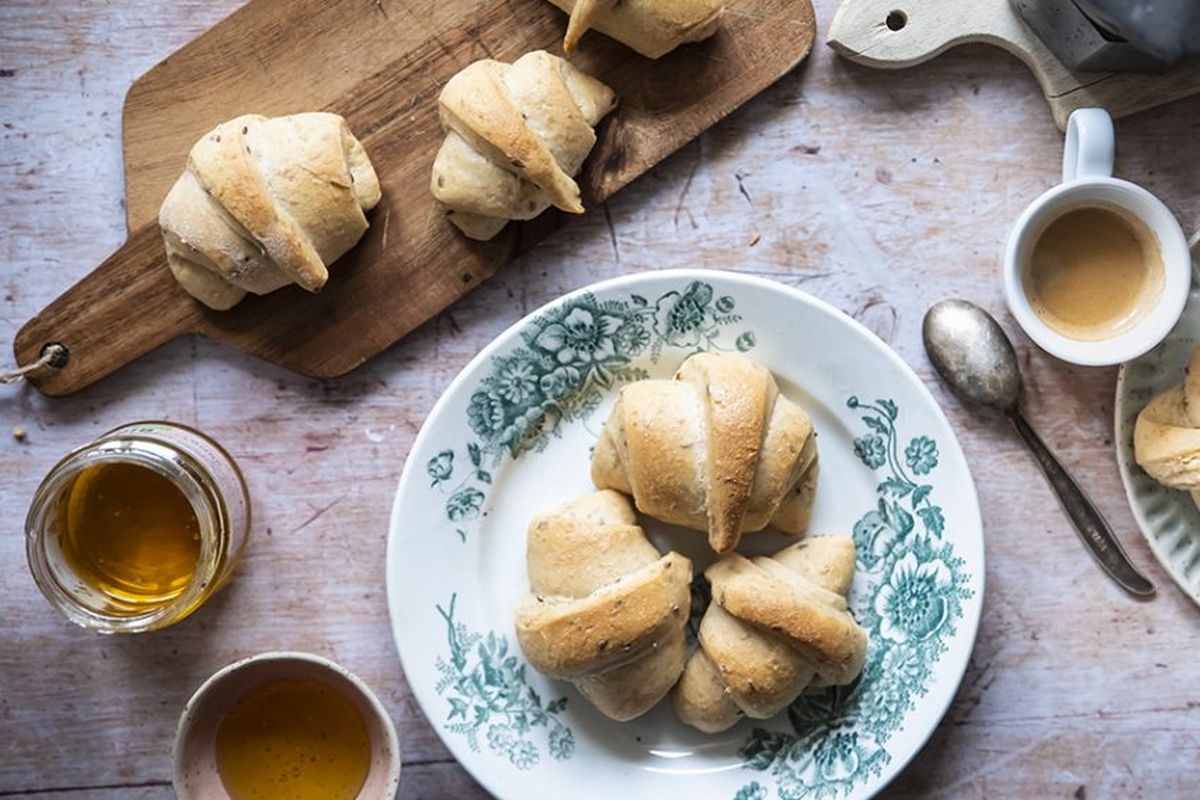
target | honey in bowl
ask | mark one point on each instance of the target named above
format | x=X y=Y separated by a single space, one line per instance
x=130 y=534
x=1094 y=273
x=293 y=739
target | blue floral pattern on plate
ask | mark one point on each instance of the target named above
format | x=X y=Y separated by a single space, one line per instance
x=917 y=586
x=913 y=591
x=571 y=355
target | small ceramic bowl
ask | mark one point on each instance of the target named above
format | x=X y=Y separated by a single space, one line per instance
x=195 y=775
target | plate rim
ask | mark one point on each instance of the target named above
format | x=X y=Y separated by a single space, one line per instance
x=1123 y=442
x=972 y=612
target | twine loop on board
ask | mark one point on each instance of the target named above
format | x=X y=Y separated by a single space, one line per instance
x=54 y=356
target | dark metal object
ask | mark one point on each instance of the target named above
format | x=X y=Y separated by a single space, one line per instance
x=1116 y=35
x=969 y=350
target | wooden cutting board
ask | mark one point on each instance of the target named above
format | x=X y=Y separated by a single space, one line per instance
x=381 y=64
x=895 y=34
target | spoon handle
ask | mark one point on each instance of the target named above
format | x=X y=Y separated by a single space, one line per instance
x=1092 y=527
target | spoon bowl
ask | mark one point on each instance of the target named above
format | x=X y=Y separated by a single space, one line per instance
x=970 y=351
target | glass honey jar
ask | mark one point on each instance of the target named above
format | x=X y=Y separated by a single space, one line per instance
x=136 y=530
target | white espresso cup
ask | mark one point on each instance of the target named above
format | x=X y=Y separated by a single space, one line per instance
x=1087 y=182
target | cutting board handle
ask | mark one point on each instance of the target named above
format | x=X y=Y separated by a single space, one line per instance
x=127 y=307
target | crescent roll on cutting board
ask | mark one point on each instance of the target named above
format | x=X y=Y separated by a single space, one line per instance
x=516 y=136
x=266 y=202
x=717 y=449
x=651 y=27
x=1166 y=436
x=605 y=610
x=777 y=625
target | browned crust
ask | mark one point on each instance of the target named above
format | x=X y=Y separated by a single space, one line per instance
x=827 y=561
x=718 y=449
x=568 y=638
x=773 y=629
x=583 y=16
x=224 y=163
x=1165 y=443
x=475 y=105
x=830 y=636
x=763 y=673
x=737 y=395
x=652 y=28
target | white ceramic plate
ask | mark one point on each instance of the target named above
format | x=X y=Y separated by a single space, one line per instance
x=1168 y=518
x=511 y=438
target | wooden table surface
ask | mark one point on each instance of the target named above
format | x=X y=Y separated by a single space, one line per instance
x=879 y=192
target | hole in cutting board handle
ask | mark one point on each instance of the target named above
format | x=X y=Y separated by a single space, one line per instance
x=59 y=357
x=896 y=20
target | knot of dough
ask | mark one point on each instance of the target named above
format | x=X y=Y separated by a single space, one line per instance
x=516 y=134
x=1166 y=437
x=604 y=609
x=651 y=27
x=776 y=626
x=717 y=449
x=266 y=202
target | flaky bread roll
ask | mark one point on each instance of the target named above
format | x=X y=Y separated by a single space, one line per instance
x=1166 y=436
x=516 y=135
x=651 y=27
x=776 y=626
x=604 y=609
x=265 y=202
x=718 y=449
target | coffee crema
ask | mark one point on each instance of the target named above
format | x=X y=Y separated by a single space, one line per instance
x=1093 y=273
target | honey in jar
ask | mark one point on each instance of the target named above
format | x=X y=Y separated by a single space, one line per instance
x=130 y=533
x=293 y=739
x=135 y=530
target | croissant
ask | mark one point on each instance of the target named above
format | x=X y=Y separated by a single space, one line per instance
x=651 y=27
x=516 y=135
x=604 y=609
x=776 y=626
x=716 y=449
x=265 y=202
x=1166 y=436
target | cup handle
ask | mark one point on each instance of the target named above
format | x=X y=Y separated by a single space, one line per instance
x=1090 y=144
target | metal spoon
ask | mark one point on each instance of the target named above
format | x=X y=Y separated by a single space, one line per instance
x=971 y=353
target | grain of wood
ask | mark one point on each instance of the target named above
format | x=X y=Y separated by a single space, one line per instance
x=878 y=192
x=380 y=65
x=896 y=35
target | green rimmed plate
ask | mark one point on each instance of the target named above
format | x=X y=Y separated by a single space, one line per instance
x=511 y=438
x=1167 y=518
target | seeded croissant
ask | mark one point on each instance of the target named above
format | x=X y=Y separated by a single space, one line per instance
x=718 y=449
x=516 y=135
x=266 y=202
x=651 y=27
x=1166 y=437
x=776 y=626
x=604 y=609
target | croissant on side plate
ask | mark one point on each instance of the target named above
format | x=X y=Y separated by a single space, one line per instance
x=776 y=626
x=717 y=449
x=605 y=610
x=1166 y=436
x=651 y=27
x=516 y=135
x=266 y=202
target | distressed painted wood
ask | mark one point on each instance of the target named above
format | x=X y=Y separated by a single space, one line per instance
x=894 y=34
x=879 y=192
x=380 y=65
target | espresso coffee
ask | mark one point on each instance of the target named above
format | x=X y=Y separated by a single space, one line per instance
x=1094 y=273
